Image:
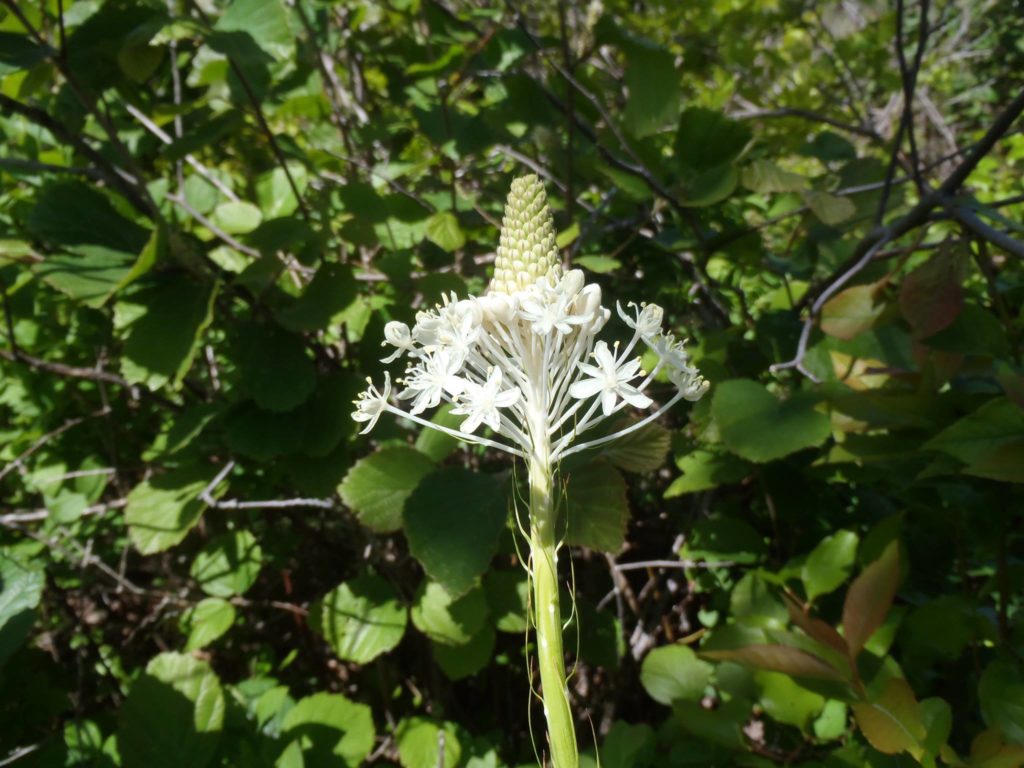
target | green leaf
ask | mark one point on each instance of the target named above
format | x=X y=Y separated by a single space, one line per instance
x=453 y=520
x=422 y=742
x=674 y=673
x=870 y=598
x=18 y=52
x=443 y=231
x=597 y=510
x=333 y=730
x=264 y=21
x=707 y=139
x=447 y=620
x=851 y=312
x=438 y=445
x=273 y=367
x=21 y=588
x=208 y=620
x=758 y=427
x=168 y=319
x=461 y=661
x=629 y=746
x=703 y=470
x=710 y=186
x=830 y=209
x=377 y=486
x=173 y=715
x=640 y=451
x=829 y=563
x=567 y=236
x=228 y=565
x=765 y=176
x=508 y=595
x=1001 y=691
x=332 y=288
x=937 y=720
x=96 y=248
x=724 y=539
x=831 y=723
x=975 y=331
x=160 y=511
x=989 y=441
x=275 y=194
x=786 y=701
x=892 y=722
x=599 y=265
x=653 y=88
x=236 y=217
x=360 y=618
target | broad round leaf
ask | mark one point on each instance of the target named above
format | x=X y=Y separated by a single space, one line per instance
x=208 y=620
x=443 y=231
x=377 y=486
x=228 y=564
x=674 y=673
x=758 y=427
x=453 y=520
x=273 y=367
x=596 y=507
x=161 y=510
x=508 y=597
x=445 y=619
x=422 y=742
x=173 y=715
x=334 y=730
x=237 y=217
x=361 y=618
x=459 y=661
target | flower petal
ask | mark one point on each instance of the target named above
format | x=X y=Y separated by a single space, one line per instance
x=586 y=388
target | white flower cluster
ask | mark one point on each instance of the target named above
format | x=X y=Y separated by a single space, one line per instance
x=525 y=360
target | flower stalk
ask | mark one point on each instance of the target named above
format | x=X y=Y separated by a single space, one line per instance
x=547 y=616
x=524 y=361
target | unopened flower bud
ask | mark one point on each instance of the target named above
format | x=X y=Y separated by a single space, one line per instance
x=527 y=252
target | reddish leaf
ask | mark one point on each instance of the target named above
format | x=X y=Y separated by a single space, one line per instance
x=870 y=598
x=816 y=628
x=931 y=296
x=779 y=658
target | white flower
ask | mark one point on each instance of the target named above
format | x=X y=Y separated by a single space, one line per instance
x=397 y=334
x=547 y=311
x=481 y=402
x=428 y=381
x=691 y=385
x=671 y=352
x=372 y=403
x=518 y=358
x=610 y=380
x=647 y=321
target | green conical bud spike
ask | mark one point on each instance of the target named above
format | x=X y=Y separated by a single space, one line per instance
x=527 y=250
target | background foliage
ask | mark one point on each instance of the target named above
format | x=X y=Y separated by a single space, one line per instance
x=210 y=209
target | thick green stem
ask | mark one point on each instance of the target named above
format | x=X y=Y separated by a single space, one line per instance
x=548 y=615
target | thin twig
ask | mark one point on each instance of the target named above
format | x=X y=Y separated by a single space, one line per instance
x=217 y=232
x=70 y=423
x=201 y=169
